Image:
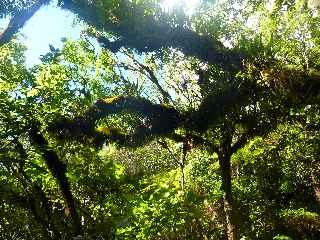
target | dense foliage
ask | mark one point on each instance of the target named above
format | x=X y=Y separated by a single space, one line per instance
x=163 y=124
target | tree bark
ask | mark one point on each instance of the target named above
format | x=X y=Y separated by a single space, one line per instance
x=224 y=162
x=316 y=185
x=58 y=170
x=146 y=34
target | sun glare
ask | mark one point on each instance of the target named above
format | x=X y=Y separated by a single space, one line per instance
x=188 y=5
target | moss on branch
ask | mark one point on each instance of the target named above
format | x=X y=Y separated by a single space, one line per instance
x=162 y=119
x=147 y=34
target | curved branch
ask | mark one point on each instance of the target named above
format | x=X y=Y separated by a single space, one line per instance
x=160 y=119
x=146 y=34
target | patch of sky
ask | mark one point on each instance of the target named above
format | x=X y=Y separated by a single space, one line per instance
x=188 y=5
x=48 y=26
x=51 y=24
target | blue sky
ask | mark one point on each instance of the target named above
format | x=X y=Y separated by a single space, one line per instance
x=50 y=24
x=46 y=27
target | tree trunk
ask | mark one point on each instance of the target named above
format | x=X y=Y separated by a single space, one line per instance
x=58 y=170
x=316 y=185
x=182 y=164
x=224 y=162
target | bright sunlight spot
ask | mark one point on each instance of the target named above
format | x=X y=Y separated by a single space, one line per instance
x=188 y=5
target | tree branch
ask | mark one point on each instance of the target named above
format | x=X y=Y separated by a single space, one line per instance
x=160 y=120
x=144 y=68
x=216 y=106
x=58 y=170
x=146 y=34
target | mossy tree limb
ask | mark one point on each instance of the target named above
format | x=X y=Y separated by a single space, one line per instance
x=160 y=120
x=147 y=34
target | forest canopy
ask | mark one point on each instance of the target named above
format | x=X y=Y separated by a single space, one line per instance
x=163 y=122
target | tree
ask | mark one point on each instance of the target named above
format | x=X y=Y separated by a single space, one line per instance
x=245 y=90
x=34 y=170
